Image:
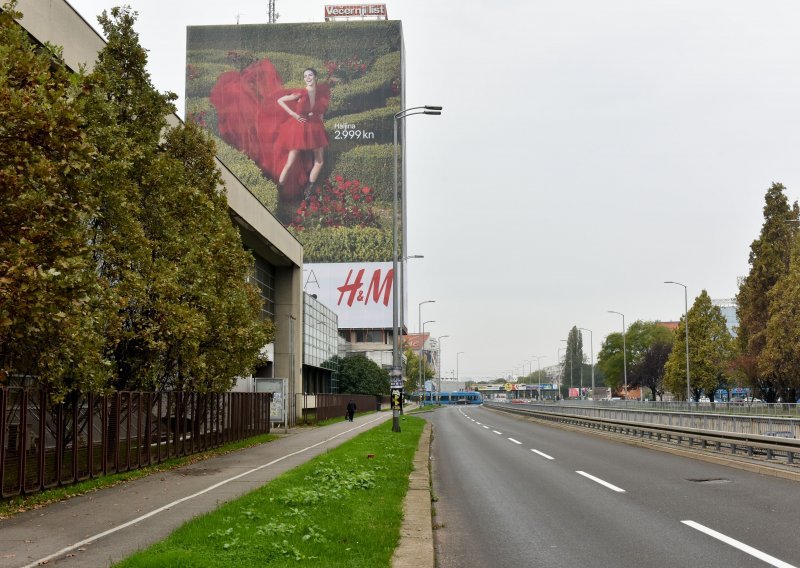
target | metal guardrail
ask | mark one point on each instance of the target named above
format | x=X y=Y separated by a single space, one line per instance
x=772 y=444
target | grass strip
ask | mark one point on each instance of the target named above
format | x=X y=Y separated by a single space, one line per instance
x=19 y=504
x=341 y=509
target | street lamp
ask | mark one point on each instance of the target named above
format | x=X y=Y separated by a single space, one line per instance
x=439 y=369
x=561 y=370
x=421 y=355
x=591 y=350
x=686 y=313
x=397 y=370
x=457 y=356
x=421 y=345
x=624 y=353
x=401 y=285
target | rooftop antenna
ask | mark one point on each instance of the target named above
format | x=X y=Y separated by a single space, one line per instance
x=272 y=15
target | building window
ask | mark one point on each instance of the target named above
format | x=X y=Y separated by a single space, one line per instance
x=264 y=278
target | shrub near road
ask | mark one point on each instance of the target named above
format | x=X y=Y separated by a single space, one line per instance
x=343 y=508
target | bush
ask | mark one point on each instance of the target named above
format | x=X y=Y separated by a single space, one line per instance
x=345 y=244
x=381 y=82
x=373 y=165
x=248 y=173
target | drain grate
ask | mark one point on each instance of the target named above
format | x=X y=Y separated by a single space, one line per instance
x=710 y=480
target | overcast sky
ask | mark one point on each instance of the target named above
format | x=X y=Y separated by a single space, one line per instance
x=588 y=151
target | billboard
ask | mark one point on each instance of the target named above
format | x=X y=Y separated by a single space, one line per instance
x=303 y=114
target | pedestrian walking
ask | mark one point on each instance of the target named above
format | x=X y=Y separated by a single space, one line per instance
x=351 y=410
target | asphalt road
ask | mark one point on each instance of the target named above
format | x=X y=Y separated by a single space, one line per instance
x=512 y=493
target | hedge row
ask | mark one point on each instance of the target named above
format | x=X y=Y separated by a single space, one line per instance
x=345 y=244
x=378 y=84
x=248 y=173
x=372 y=165
x=330 y=40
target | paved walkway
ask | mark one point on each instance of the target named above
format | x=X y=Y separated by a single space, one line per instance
x=106 y=526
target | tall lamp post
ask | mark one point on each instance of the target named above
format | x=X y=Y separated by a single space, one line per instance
x=439 y=370
x=397 y=368
x=421 y=345
x=686 y=314
x=561 y=371
x=421 y=355
x=591 y=350
x=624 y=353
x=457 y=356
x=401 y=290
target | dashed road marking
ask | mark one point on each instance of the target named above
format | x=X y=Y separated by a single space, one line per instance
x=544 y=455
x=515 y=441
x=771 y=560
x=601 y=482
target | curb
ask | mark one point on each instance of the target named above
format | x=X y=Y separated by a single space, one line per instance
x=415 y=549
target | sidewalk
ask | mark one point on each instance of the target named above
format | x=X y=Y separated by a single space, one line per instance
x=106 y=526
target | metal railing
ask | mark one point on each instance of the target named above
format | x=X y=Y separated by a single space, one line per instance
x=696 y=431
x=319 y=407
x=44 y=445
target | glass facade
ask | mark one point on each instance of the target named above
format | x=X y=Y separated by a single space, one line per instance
x=320 y=347
x=264 y=277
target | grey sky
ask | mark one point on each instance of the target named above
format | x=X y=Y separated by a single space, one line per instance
x=588 y=151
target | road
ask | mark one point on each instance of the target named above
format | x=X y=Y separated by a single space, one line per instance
x=512 y=493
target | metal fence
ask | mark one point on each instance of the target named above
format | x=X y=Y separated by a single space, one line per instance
x=44 y=445
x=318 y=407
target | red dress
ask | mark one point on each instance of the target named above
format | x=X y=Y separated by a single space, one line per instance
x=296 y=135
x=250 y=119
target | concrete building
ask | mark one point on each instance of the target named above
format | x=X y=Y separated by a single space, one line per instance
x=279 y=256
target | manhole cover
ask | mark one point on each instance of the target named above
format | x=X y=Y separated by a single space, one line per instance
x=711 y=480
x=196 y=472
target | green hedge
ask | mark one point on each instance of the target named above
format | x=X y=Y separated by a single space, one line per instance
x=372 y=165
x=374 y=86
x=329 y=40
x=204 y=112
x=248 y=173
x=345 y=244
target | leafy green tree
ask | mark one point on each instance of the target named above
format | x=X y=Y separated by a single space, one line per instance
x=359 y=375
x=186 y=316
x=711 y=350
x=639 y=338
x=648 y=371
x=573 y=358
x=769 y=261
x=780 y=358
x=51 y=316
x=411 y=371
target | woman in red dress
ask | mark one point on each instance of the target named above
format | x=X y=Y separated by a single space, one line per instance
x=305 y=130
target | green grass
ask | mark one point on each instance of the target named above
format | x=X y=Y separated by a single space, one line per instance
x=13 y=505
x=343 y=508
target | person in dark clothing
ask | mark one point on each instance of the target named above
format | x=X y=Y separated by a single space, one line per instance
x=351 y=410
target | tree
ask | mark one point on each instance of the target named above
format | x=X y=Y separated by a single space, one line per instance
x=359 y=375
x=51 y=313
x=648 y=371
x=780 y=358
x=711 y=350
x=411 y=371
x=186 y=316
x=769 y=261
x=573 y=358
x=639 y=338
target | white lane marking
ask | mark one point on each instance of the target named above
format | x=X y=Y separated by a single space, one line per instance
x=479 y=424
x=515 y=441
x=486 y=427
x=153 y=513
x=498 y=433
x=771 y=560
x=544 y=455
x=601 y=482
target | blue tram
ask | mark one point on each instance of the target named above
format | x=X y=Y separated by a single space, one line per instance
x=455 y=397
